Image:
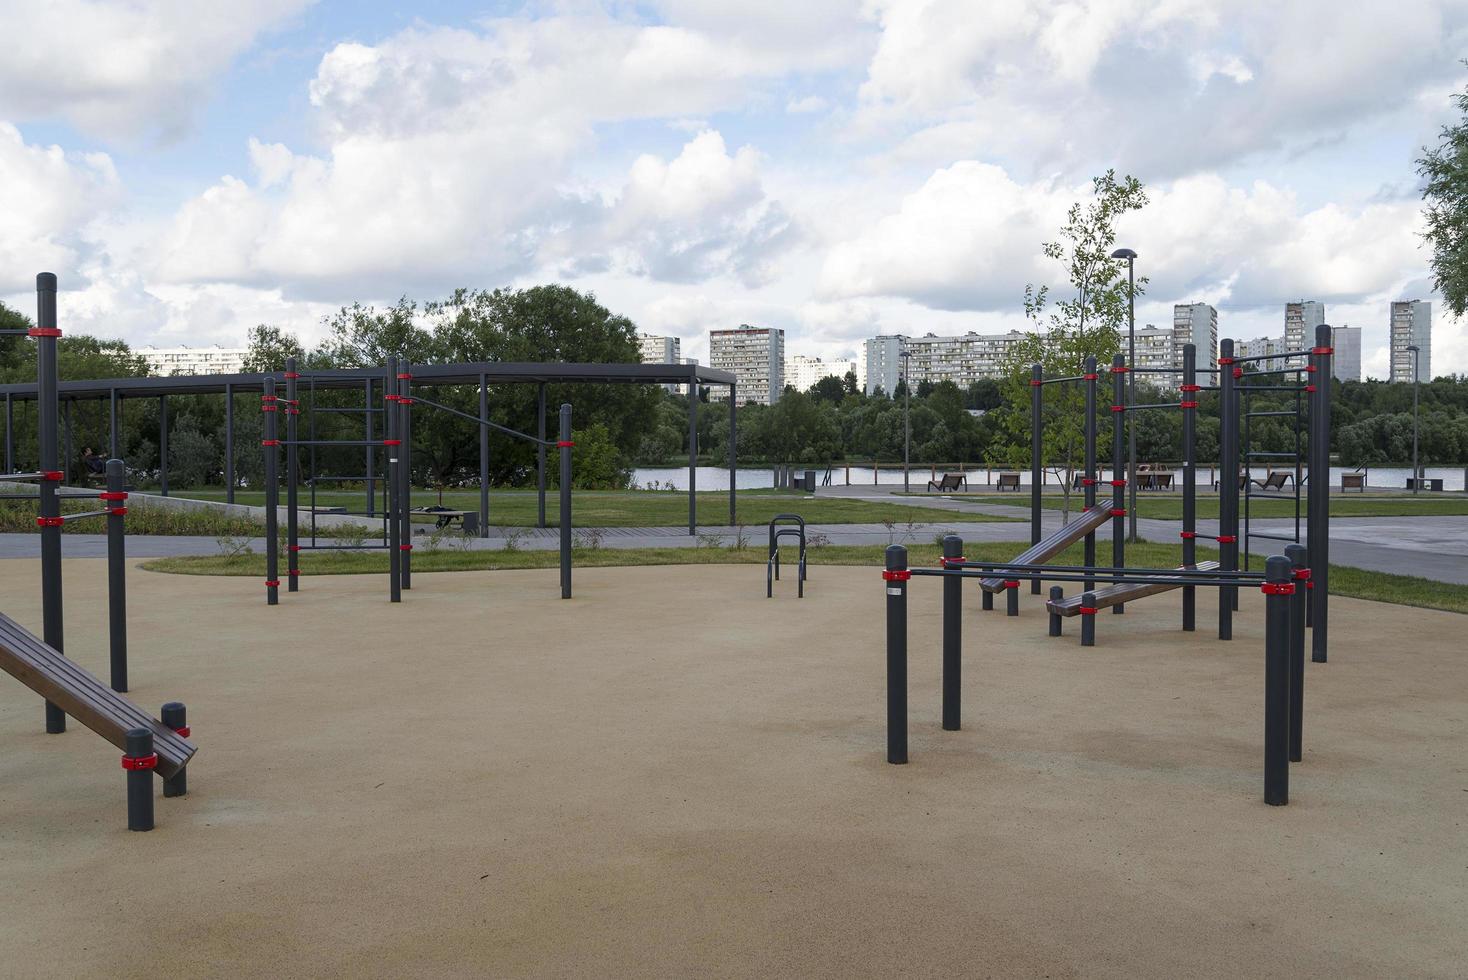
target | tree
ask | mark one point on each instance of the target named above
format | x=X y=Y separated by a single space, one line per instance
x=268 y=348
x=829 y=389
x=1444 y=172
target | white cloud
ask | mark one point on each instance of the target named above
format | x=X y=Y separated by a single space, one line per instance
x=123 y=68
x=808 y=103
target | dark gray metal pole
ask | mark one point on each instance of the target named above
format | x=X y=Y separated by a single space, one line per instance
x=292 y=478
x=114 y=431
x=390 y=438
x=1300 y=569
x=175 y=716
x=1277 y=589
x=1317 y=532
x=270 y=445
x=229 y=478
x=1131 y=424
x=565 y=445
x=952 y=636
x=67 y=455
x=1037 y=447
x=1416 y=469
x=483 y=457
x=1189 y=404
x=1089 y=480
x=114 y=504
x=139 y=761
x=1118 y=462
x=368 y=453
x=896 y=577
x=906 y=419
x=1088 y=619
x=1228 y=484
x=692 y=458
x=733 y=455
x=163 y=444
x=540 y=456
x=46 y=332
x=1057 y=593
x=405 y=470
x=9 y=435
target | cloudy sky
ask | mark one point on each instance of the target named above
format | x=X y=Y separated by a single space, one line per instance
x=835 y=167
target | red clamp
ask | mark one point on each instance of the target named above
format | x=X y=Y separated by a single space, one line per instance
x=1225 y=360
x=1011 y=584
x=392 y=442
x=1086 y=481
x=293 y=411
x=1278 y=588
x=1226 y=539
x=269 y=442
x=1035 y=384
x=1310 y=389
x=117 y=511
x=946 y=562
x=53 y=476
x=44 y=332
x=1322 y=350
x=267 y=408
x=267 y=398
x=272 y=582
x=183 y=732
x=293 y=547
x=1090 y=377
x=292 y=375
x=1119 y=370
x=135 y=763
x=1238 y=373
x=1087 y=610
x=404 y=400
x=1309 y=368
x=404 y=377
x=565 y=444
x=1189 y=387
x=50 y=521
x=1117 y=483
x=405 y=547
x=1187 y=404
x=293 y=571
x=1302 y=574
x=1118 y=512
x=112 y=495
x=1187 y=535
x=390 y=398
x=901 y=575
x=1118 y=408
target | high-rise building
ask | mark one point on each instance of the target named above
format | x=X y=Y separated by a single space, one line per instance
x=756 y=358
x=1345 y=364
x=659 y=350
x=1301 y=319
x=801 y=371
x=1154 y=351
x=167 y=361
x=1411 y=326
x=962 y=359
x=1196 y=324
x=1259 y=347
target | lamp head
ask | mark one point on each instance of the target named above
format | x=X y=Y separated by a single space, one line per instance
x=1124 y=253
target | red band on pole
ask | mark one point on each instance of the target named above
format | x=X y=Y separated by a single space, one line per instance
x=405 y=547
x=50 y=521
x=293 y=571
x=293 y=411
x=1011 y=584
x=390 y=398
x=118 y=511
x=1087 y=610
x=269 y=442
x=1310 y=389
x=1189 y=387
x=54 y=476
x=292 y=375
x=945 y=562
x=1322 y=350
x=1117 y=483
x=1238 y=373
x=404 y=377
x=1119 y=370
x=392 y=442
x=1035 y=384
x=901 y=575
x=404 y=400
x=1226 y=539
x=565 y=444
x=183 y=732
x=1086 y=481
x=1118 y=512
x=1090 y=377
x=293 y=547
x=44 y=332
x=267 y=398
x=1118 y=408
x=1309 y=368
x=1225 y=360
x=112 y=495
x=135 y=763
x=1187 y=404
x=267 y=408
x=1187 y=535
x=272 y=582
x=1302 y=574
x=1278 y=588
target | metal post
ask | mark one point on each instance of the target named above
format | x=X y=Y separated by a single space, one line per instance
x=1189 y=405
x=390 y=439
x=229 y=477
x=175 y=716
x=1318 y=529
x=292 y=478
x=1118 y=462
x=116 y=574
x=1088 y=619
x=163 y=445
x=270 y=444
x=1057 y=593
x=565 y=445
x=906 y=419
x=9 y=435
x=896 y=577
x=67 y=455
x=483 y=456
x=952 y=636
x=1300 y=569
x=139 y=763
x=405 y=469
x=733 y=465
x=1131 y=423
x=692 y=458
x=1090 y=478
x=1277 y=589
x=1037 y=474
x=540 y=456
x=986 y=600
x=1228 y=484
x=47 y=410
x=368 y=410
x=1416 y=377
x=114 y=431
x=1011 y=598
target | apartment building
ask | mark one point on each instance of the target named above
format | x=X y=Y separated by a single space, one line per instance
x=1345 y=364
x=166 y=361
x=1196 y=324
x=801 y=372
x=658 y=350
x=962 y=359
x=756 y=358
x=1301 y=319
x=1411 y=326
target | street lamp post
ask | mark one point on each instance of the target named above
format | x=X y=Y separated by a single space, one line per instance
x=1416 y=473
x=1131 y=392
x=906 y=422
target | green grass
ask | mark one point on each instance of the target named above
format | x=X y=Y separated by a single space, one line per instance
x=1169 y=507
x=1345 y=581
x=642 y=508
x=20 y=516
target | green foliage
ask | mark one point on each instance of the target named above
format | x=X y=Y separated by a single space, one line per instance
x=268 y=348
x=1444 y=173
x=595 y=462
x=193 y=457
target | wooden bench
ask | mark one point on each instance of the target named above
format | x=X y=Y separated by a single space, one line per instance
x=1060 y=539
x=1274 y=481
x=1007 y=481
x=949 y=483
x=1115 y=595
x=94 y=704
x=1353 y=480
x=445 y=517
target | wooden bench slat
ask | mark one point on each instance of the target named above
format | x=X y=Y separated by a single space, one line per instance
x=1059 y=539
x=66 y=684
x=1115 y=595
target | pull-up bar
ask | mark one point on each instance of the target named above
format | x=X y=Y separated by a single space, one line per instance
x=474 y=418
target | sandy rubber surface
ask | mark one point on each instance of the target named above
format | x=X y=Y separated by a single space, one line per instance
x=672 y=776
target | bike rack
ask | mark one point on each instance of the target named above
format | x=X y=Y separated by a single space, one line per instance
x=785 y=526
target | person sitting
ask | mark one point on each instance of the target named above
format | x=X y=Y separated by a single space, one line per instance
x=96 y=465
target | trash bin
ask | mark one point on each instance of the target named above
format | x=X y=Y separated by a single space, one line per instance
x=810 y=481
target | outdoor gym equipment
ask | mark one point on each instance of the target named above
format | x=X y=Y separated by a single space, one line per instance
x=785 y=526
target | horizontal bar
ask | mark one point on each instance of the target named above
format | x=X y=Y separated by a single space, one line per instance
x=1272 y=357
x=343 y=547
x=90 y=513
x=1261 y=415
x=1037 y=567
x=1262 y=374
x=1274 y=388
x=1257 y=578
x=1142 y=370
x=358 y=410
x=1133 y=408
x=1273 y=537
x=341 y=479
x=330 y=442
x=493 y=425
x=17 y=477
x=1056 y=381
x=1273 y=455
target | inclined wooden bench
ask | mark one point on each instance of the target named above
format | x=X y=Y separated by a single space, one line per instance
x=1008 y=481
x=1060 y=539
x=65 y=684
x=950 y=482
x=1116 y=595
